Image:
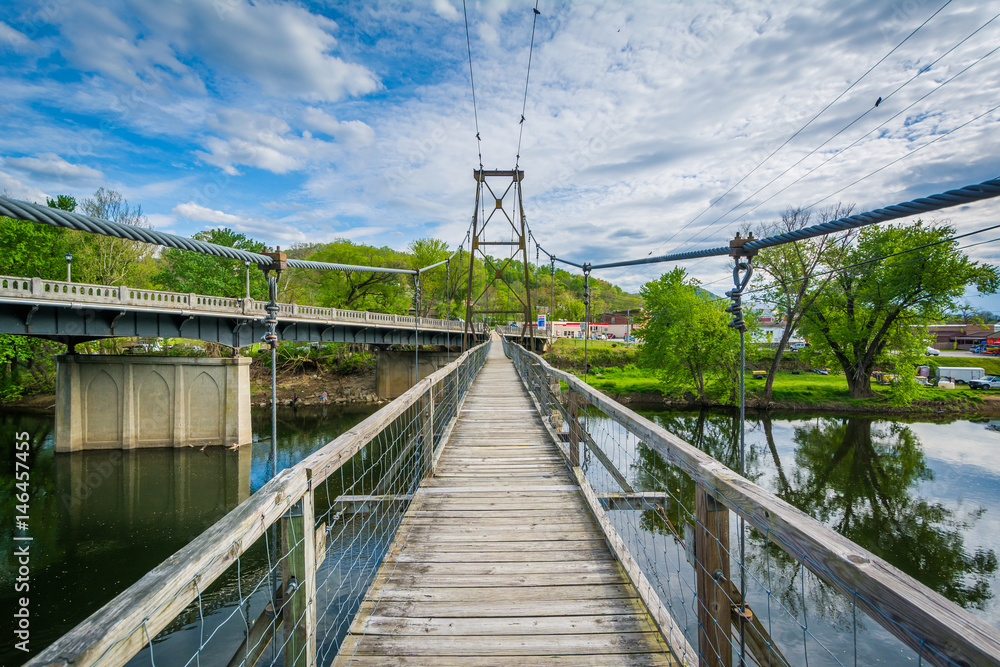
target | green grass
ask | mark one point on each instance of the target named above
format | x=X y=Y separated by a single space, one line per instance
x=626 y=380
x=804 y=388
x=568 y=353
x=990 y=364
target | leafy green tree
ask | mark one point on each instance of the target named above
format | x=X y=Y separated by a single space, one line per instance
x=687 y=338
x=185 y=271
x=355 y=290
x=794 y=272
x=875 y=310
x=434 y=297
x=107 y=260
x=860 y=480
x=34 y=250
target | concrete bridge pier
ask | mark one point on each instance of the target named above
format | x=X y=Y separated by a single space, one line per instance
x=131 y=402
x=396 y=370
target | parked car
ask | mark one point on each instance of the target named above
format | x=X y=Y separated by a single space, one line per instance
x=931 y=352
x=820 y=371
x=985 y=382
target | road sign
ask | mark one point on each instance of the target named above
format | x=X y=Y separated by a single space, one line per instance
x=541 y=321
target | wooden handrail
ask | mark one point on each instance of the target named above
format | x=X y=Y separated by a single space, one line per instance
x=916 y=615
x=119 y=629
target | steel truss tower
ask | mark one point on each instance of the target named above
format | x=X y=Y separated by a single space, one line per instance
x=510 y=210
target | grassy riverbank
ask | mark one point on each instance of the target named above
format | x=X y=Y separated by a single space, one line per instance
x=615 y=370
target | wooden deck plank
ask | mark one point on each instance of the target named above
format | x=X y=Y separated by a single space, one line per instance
x=499 y=559
x=549 y=660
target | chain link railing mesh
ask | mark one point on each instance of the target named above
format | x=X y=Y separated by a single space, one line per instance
x=665 y=512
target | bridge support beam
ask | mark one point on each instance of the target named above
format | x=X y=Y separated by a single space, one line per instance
x=131 y=402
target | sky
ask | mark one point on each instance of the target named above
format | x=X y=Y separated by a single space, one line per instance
x=650 y=127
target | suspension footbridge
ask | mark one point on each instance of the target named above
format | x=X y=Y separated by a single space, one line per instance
x=499 y=557
x=503 y=512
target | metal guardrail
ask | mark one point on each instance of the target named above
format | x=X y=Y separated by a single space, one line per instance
x=673 y=506
x=260 y=595
x=81 y=293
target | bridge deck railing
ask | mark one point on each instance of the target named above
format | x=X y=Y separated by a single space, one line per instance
x=279 y=578
x=673 y=513
x=81 y=293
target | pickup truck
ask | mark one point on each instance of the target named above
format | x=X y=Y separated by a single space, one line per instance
x=985 y=382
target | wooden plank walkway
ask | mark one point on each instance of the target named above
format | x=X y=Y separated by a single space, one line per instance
x=498 y=560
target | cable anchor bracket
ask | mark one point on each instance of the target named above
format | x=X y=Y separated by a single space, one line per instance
x=279 y=262
x=742 y=271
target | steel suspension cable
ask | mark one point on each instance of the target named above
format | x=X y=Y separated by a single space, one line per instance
x=22 y=210
x=969 y=194
x=807 y=124
x=881 y=101
x=527 y=76
x=866 y=135
x=842 y=269
x=472 y=80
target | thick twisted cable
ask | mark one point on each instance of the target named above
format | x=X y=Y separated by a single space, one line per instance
x=967 y=195
x=22 y=210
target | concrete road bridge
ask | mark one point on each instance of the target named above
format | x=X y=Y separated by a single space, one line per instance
x=76 y=312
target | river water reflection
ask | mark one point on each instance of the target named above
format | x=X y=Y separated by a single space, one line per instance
x=923 y=496
x=102 y=519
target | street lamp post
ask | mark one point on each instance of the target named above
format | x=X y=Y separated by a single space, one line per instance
x=247 y=263
x=69 y=267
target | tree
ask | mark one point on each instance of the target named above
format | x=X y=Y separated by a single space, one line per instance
x=863 y=481
x=35 y=250
x=876 y=308
x=424 y=253
x=186 y=271
x=107 y=260
x=687 y=337
x=792 y=270
x=356 y=290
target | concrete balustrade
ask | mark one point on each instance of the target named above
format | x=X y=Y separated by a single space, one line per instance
x=81 y=293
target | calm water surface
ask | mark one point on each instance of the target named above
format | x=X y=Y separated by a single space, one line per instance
x=924 y=496
x=101 y=520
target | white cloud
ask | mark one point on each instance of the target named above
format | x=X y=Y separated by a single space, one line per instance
x=353 y=133
x=199 y=213
x=261 y=141
x=282 y=48
x=13 y=187
x=446 y=10
x=50 y=165
x=12 y=39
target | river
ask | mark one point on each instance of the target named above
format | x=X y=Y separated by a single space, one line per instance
x=100 y=520
x=925 y=496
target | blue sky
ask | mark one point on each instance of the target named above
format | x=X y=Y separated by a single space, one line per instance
x=302 y=122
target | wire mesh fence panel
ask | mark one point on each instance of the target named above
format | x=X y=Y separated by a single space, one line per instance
x=279 y=579
x=683 y=519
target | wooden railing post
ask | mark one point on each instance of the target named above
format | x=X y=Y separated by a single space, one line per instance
x=576 y=438
x=711 y=552
x=427 y=408
x=298 y=549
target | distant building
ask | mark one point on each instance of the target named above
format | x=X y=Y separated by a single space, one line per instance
x=958 y=336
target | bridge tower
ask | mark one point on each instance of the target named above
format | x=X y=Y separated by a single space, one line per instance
x=508 y=231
